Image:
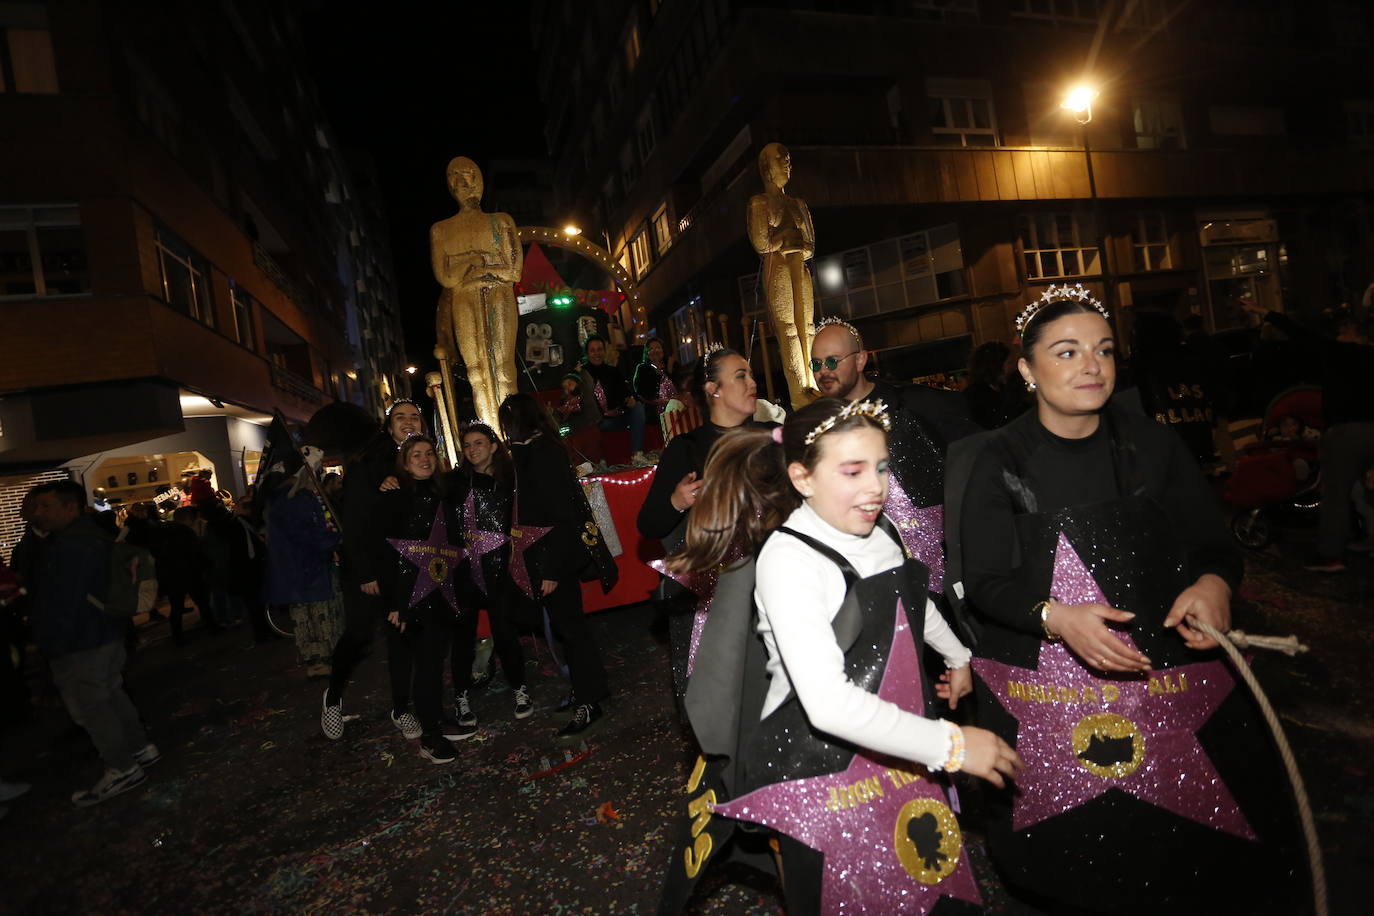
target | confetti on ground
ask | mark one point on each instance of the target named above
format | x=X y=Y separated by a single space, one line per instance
x=517 y=824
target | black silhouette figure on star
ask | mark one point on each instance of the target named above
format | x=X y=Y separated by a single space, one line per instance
x=924 y=833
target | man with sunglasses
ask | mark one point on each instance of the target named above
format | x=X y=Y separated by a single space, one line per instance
x=924 y=421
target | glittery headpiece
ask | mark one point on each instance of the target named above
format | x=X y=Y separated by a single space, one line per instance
x=712 y=348
x=836 y=321
x=1065 y=293
x=874 y=410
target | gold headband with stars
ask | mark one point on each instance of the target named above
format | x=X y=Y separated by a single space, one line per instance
x=874 y=410
x=1065 y=293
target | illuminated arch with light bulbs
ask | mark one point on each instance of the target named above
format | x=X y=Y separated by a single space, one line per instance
x=546 y=235
x=593 y=252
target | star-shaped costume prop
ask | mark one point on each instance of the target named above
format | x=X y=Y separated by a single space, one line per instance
x=1081 y=734
x=890 y=841
x=922 y=530
x=521 y=538
x=701 y=583
x=434 y=560
x=479 y=542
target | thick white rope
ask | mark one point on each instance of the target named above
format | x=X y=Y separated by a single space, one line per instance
x=1290 y=646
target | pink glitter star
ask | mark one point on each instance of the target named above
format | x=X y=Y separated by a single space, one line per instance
x=890 y=842
x=922 y=530
x=434 y=559
x=521 y=538
x=478 y=541
x=702 y=583
x=1081 y=734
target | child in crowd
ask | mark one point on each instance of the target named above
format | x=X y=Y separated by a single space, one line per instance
x=571 y=402
x=810 y=495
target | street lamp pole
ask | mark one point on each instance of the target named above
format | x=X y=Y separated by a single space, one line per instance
x=1079 y=102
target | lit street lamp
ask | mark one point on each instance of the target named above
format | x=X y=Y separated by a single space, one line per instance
x=1080 y=102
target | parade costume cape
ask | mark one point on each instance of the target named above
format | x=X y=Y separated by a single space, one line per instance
x=881 y=827
x=1140 y=792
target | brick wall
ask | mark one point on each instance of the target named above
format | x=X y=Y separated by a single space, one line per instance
x=12 y=490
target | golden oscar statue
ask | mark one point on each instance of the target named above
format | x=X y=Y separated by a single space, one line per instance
x=476 y=258
x=781 y=231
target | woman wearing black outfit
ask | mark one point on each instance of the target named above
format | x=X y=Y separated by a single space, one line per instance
x=722 y=382
x=419 y=635
x=362 y=557
x=1108 y=664
x=487 y=479
x=652 y=383
x=548 y=496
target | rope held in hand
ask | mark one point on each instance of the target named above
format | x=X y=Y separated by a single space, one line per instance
x=1309 y=827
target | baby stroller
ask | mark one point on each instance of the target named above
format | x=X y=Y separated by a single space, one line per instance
x=1277 y=481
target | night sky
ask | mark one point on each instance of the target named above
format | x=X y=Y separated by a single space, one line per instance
x=416 y=84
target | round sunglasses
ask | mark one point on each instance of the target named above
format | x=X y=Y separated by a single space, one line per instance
x=831 y=363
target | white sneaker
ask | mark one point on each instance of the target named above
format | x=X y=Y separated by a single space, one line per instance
x=463 y=708
x=111 y=784
x=147 y=755
x=408 y=724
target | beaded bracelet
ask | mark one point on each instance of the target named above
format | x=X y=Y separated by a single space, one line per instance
x=954 y=761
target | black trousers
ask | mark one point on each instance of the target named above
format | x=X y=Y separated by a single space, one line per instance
x=426 y=647
x=570 y=624
x=504 y=635
x=363 y=613
x=176 y=599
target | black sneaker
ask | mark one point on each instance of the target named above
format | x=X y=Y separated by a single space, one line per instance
x=587 y=718
x=524 y=708
x=462 y=709
x=454 y=730
x=436 y=750
x=566 y=706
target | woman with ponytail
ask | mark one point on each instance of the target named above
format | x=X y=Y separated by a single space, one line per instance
x=723 y=383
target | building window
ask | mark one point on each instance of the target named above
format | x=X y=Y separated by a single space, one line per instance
x=243 y=315
x=1158 y=124
x=1150 y=239
x=663 y=228
x=1056 y=11
x=1359 y=122
x=26 y=59
x=644 y=133
x=42 y=252
x=1236 y=120
x=1058 y=245
x=961 y=112
x=639 y=249
x=185 y=278
x=629 y=167
x=890 y=275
